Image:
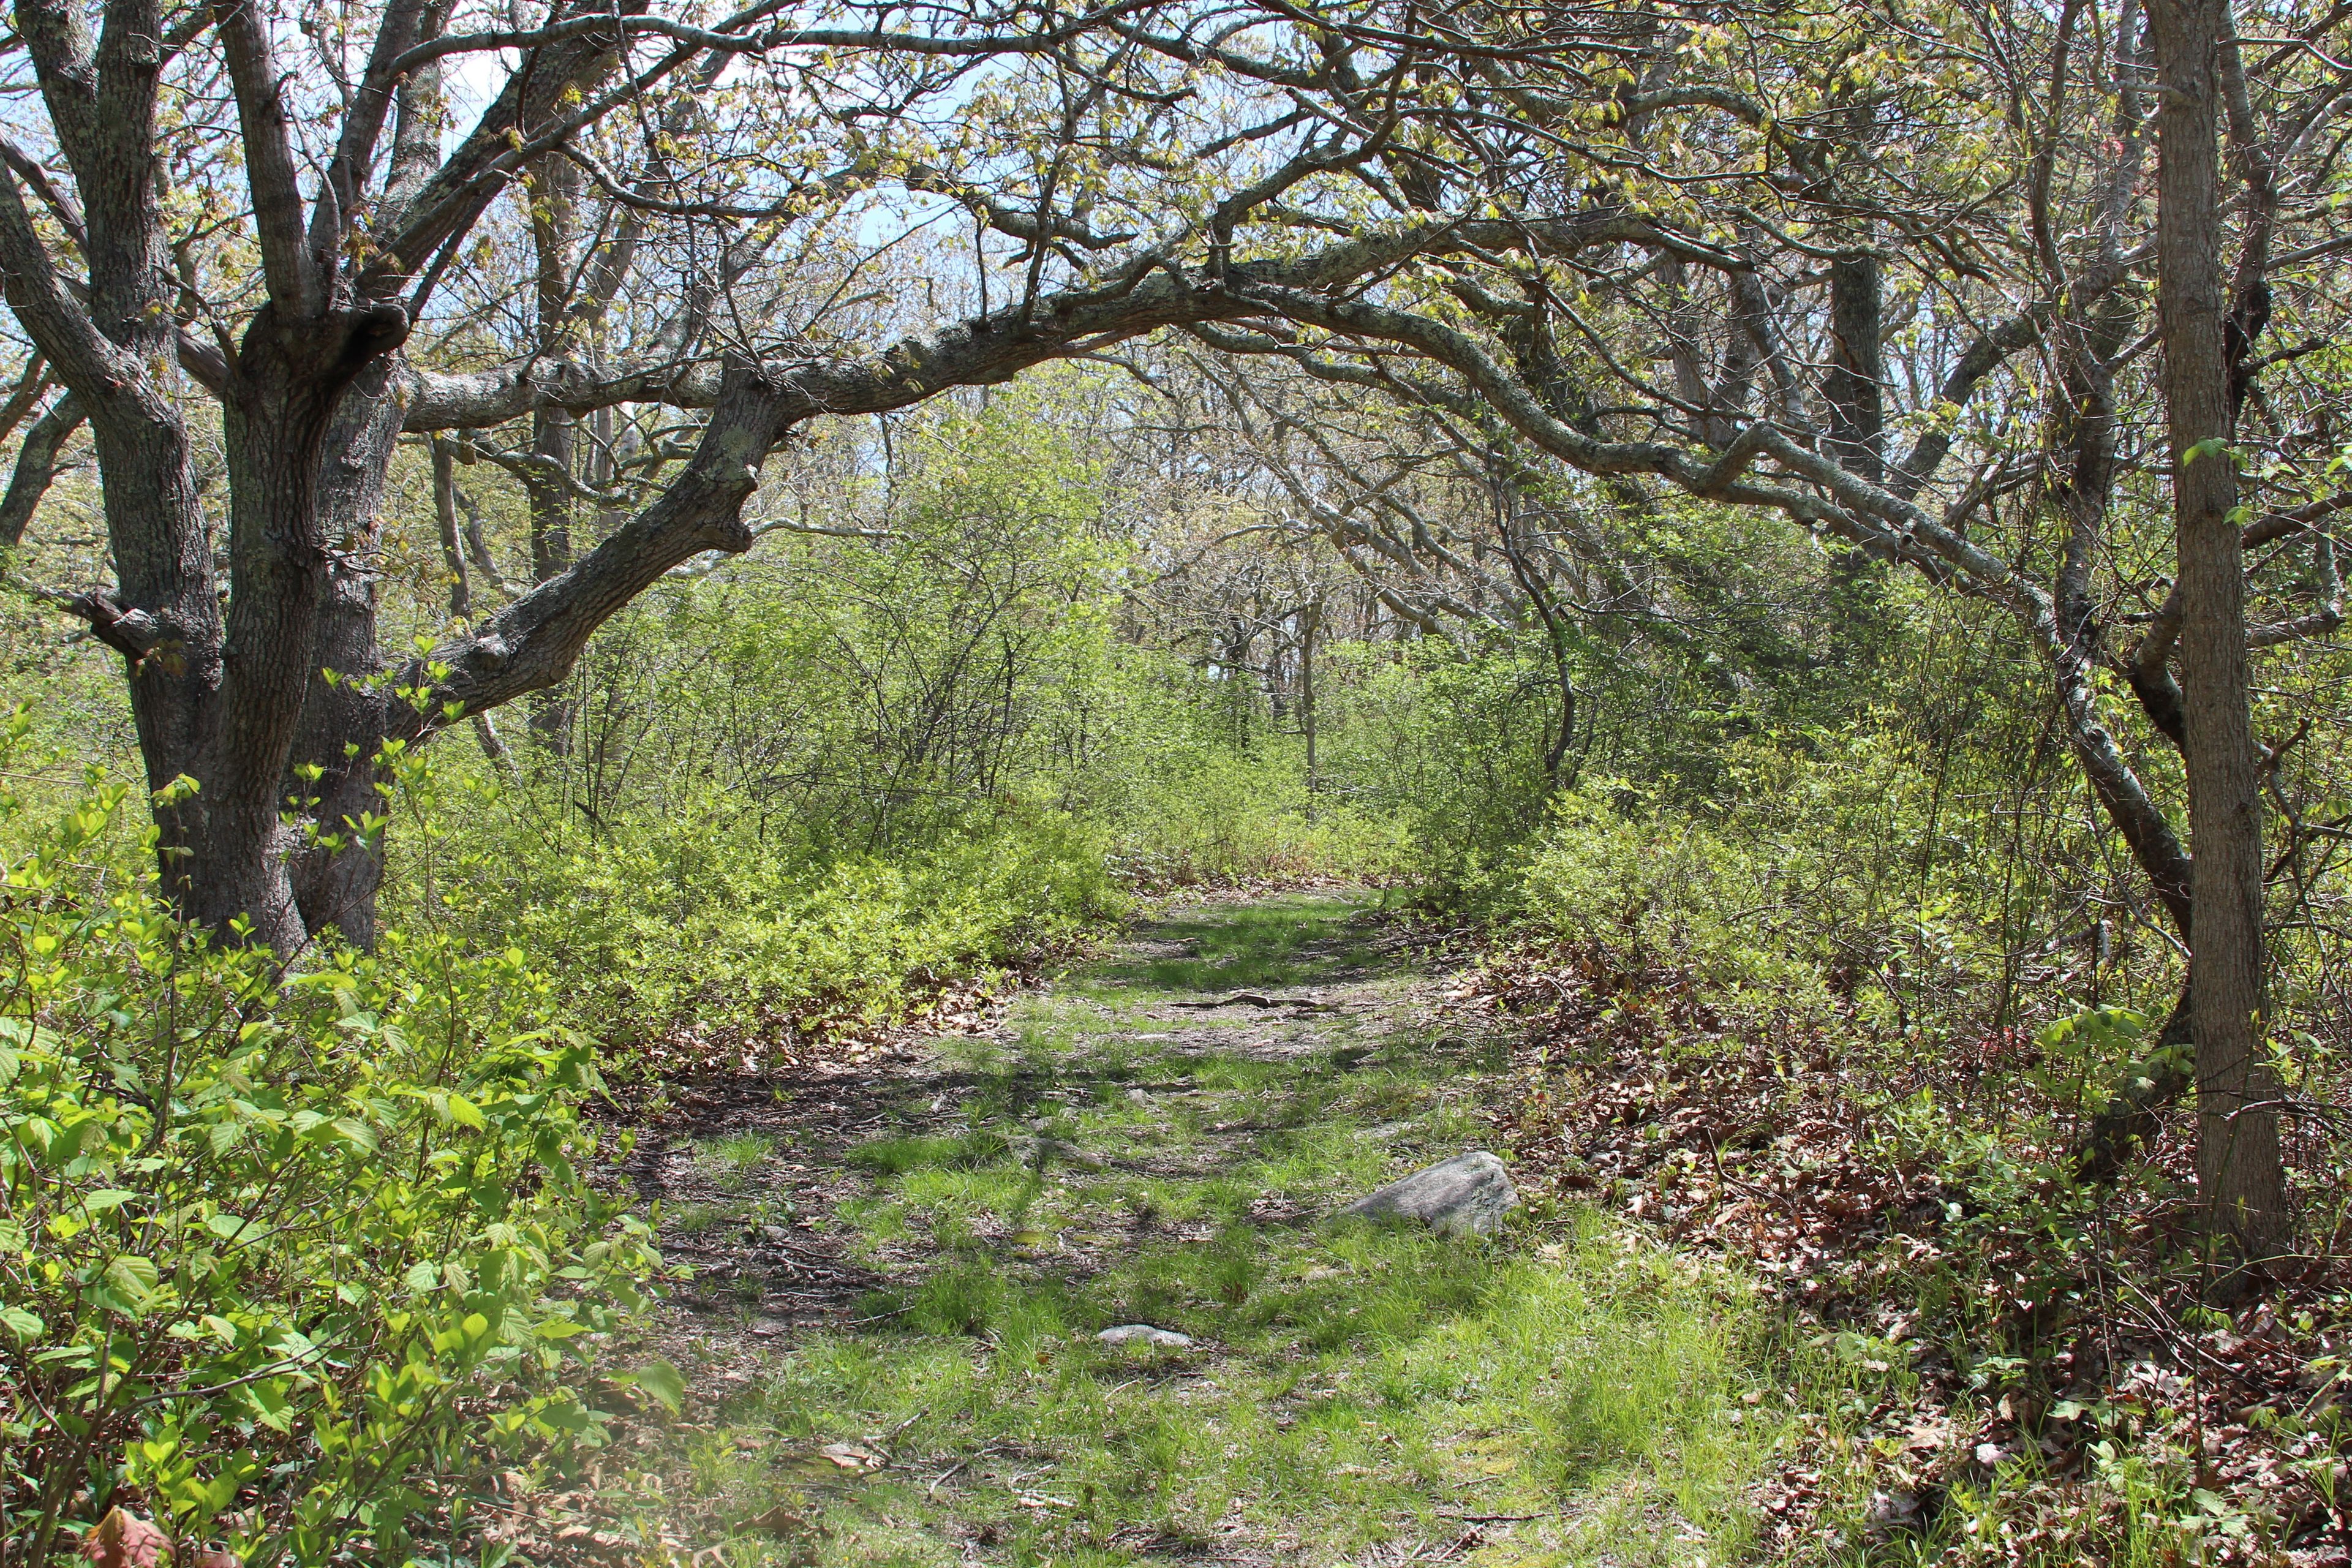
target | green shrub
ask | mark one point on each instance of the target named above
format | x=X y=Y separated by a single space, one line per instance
x=1668 y=887
x=1449 y=751
x=682 y=935
x=1845 y=866
x=289 y=1258
x=1209 y=815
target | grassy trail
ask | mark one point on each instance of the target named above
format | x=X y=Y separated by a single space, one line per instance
x=1121 y=1155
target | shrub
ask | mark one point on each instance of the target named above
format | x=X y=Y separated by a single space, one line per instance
x=1212 y=816
x=1845 y=867
x=283 y=1257
x=684 y=943
x=1669 y=889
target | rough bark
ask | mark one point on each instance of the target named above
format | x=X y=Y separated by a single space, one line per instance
x=2240 y=1172
x=285 y=393
x=37 y=466
x=1853 y=386
x=338 y=864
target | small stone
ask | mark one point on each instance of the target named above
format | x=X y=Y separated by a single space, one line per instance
x=1145 y=1335
x=1891 y=1511
x=1042 y=1151
x=1466 y=1195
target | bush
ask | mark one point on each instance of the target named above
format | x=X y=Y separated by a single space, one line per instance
x=1850 y=867
x=682 y=942
x=1449 y=751
x=283 y=1257
x=1212 y=816
x=1669 y=889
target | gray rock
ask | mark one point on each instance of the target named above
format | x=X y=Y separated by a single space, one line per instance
x=1145 y=1335
x=1044 y=1150
x=1466 y=1194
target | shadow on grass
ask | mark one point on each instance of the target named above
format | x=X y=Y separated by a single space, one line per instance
x=1346 y=1385
x=1299 y=940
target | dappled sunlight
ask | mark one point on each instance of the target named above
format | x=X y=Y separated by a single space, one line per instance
x=1567 y=1388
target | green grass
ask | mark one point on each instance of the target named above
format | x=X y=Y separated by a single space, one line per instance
x=1349 y=1386
x=698 y=1219
x=898 y=1156
x=1290 y=941
x=732 y=1161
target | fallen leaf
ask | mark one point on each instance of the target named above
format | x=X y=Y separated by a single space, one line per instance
x=123 y=1539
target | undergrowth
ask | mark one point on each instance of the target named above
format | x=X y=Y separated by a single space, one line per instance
x=294 y=1262
x=2057 y=1391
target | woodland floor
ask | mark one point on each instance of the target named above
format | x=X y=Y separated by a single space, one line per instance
x=901 y=1265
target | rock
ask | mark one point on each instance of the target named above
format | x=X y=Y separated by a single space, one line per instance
x=1145 y=1335
x=1042 y=1151
x=1466 y=1194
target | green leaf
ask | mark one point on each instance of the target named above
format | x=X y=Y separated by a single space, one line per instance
x=464 y=1112
x=132 y=1280
x=269 y=1404
x=661 y=1380
x=23 y=1324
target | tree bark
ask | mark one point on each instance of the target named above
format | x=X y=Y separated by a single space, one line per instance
x=284 y=394
x=547 y=488
x=337 y=865
x=1854 y=384
x=2240 y=1171
x=37 y=465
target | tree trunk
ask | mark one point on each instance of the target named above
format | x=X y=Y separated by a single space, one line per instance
x=336 y=873
x=1310 y=622
x=1855 y=383
x=164 y=569
x=547 y=490
x=275 y=419
x=2239 y=1168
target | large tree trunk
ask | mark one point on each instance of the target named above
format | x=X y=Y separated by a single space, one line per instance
x=164 y=569
x=2238 y=1163
x=276 y=418
x=338 y=868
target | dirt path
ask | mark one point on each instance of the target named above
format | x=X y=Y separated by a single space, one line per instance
x=902 y=1271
